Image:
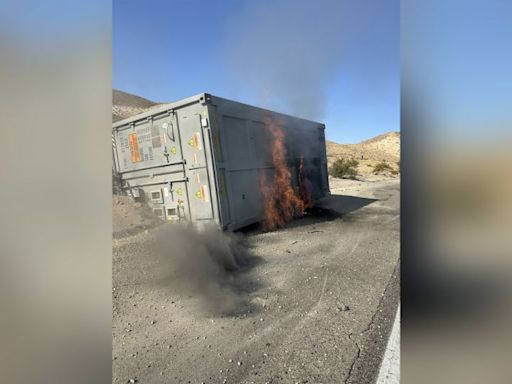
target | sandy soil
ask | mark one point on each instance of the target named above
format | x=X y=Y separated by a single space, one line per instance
x=316 y=299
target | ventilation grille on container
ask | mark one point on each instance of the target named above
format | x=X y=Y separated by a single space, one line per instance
x=156 y=196
x=159 y=212
x=171 y=212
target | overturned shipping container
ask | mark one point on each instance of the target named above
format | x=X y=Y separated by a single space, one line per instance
x=205 y=158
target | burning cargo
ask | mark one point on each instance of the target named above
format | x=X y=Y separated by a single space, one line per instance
x=206 y=158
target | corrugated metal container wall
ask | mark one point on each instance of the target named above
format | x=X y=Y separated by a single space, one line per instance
x=202 y=158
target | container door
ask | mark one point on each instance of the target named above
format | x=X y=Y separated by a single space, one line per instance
x=194 y=154
x=176 y=201
x=164 y=133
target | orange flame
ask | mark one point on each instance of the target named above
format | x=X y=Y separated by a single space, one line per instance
x=281 y=202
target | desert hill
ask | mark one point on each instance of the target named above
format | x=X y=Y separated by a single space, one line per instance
x=385 y=147
x=125 y=105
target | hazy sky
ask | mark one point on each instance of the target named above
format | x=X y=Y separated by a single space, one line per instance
x=333 y=61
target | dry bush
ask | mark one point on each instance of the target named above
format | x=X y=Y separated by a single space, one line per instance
x=381 y=167
x=343 y=168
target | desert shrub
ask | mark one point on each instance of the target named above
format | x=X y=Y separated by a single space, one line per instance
x=381 y=167
x=353 y=163
x=394 y=172
x=344 y=168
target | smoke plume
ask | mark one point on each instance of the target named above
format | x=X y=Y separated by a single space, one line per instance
x=206 y=263
x=287 y=51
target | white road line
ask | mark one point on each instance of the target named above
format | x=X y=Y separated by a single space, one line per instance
x=323 y=286
x=389 y=372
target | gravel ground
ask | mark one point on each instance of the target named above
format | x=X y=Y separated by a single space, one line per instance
x=130 y=217
x=317 y=300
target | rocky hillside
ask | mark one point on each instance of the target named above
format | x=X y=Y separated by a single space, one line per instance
x=384 y=147
x=125 y=105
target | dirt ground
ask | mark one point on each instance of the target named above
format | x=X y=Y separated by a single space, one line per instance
x=130 y=217
x=316 y=299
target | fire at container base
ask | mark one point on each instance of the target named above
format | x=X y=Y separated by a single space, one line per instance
x=207 y=159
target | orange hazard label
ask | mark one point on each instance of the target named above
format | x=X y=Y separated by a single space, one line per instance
x=134 y=147
x=204 y=193
x=197 y=141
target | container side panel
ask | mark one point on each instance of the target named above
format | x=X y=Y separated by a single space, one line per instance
x=204 y=158
x=262 y=144
x=168 y=201
x=148 y=143
x=246 y=199
x=246 y=151
x=163 y=160
x=194 y=153
x=239 y=141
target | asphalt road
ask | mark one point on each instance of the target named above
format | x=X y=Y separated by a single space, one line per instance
x=317 y=301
